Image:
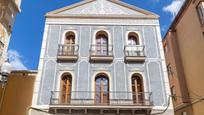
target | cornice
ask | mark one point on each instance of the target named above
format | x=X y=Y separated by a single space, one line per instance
x=101 y=16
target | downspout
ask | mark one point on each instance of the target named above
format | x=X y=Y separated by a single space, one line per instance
x=2 y=14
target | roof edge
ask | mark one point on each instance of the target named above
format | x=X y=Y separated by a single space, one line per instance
x=24 y=71
x=119 y=2
x=101 y=16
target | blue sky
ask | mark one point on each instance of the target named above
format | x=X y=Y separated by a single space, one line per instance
x=25 y=44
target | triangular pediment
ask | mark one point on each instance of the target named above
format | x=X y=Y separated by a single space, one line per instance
x=102 y=7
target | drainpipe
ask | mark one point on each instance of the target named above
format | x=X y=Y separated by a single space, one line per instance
x=2 y=14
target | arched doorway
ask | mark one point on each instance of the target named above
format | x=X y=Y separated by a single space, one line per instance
x=101 y=89
x=101 y=43
x=137 y=89
x=69 y=38
x=133 y=39
x=69 y=43
x=66 y=86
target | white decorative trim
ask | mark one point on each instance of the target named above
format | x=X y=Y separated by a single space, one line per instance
x=98 y=30
x=109 y=78
x=140 y=39
x=165 y=77
x=144 y=80
x=69 y=30
x=73 y=76
x=104 y=22
x=42 y=79
x=40 y=67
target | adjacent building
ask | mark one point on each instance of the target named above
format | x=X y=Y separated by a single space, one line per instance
x=16 y=96
x=184 y=51
x=102 y=57
x=8 y=11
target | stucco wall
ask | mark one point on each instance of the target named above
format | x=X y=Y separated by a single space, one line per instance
x=191 y=46
x=18 y=94
x=83 y=72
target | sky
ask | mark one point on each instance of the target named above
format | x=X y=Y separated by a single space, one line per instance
x=27 y=34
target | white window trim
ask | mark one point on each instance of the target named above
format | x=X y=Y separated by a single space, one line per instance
x=73 y=87
x=98 y=30
x=64 y=34
x=144 y=80
x=200 y=10
x=109 y=76
x=136 y=32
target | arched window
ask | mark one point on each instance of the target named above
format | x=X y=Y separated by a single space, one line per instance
x=137 y=89
x=101 y=89
x=69 y=47
x=133 y=39
x=66 y=85
x=101 y=43
x=69 y=38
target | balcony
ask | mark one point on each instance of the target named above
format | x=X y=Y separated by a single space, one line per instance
x=101 y=102
x=67 y=52
x=101 y=53
x=134 y=53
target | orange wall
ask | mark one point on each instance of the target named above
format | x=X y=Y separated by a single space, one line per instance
x=190 y=46
x=18 y=94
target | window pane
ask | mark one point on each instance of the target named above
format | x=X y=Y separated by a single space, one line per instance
x=200 y=10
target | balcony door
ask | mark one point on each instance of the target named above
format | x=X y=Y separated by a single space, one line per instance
x=137 y=89
x=101 y=90
x=102 y=44
x=66 y=84
x=69 y=42
x=132 y=42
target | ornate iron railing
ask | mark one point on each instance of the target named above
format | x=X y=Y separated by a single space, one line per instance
x=68 y=50
x=101 y=50
x=86 y=98
x=134 y=50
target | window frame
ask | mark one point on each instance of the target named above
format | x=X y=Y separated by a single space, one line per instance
x=138 y=34
x=102 y=76
x=135 y=84
x=67 y=99
x=200 y=12
x=64 y=36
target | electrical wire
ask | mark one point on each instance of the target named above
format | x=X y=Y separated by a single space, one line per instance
x=164 y=109
x=194 y=93
x=187 y=97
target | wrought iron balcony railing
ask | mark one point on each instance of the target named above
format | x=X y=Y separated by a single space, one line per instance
x=134 y=53
x=68 y=52
x=87 y=98
x=101 y=52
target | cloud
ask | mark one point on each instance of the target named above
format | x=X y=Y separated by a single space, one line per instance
x=16 y=60
x=174 y=7
x=163 y=28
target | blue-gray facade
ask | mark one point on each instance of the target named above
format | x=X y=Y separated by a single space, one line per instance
x=119 y=72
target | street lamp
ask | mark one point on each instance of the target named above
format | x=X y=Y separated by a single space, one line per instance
x=5 y=71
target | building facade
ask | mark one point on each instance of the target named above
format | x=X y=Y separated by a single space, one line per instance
x=101 y=57
x=8 y=11
x=184 y=47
